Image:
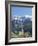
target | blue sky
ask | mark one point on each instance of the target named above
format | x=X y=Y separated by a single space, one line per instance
x=20 y=11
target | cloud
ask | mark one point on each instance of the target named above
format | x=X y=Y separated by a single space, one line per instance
x=28 y=16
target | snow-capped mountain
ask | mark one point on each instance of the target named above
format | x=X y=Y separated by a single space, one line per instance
x=26 y=21
x=22 y=17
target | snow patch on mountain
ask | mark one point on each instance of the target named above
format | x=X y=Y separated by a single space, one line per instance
x=20 y=17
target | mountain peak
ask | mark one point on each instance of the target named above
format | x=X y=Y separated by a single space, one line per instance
x=22 y=17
